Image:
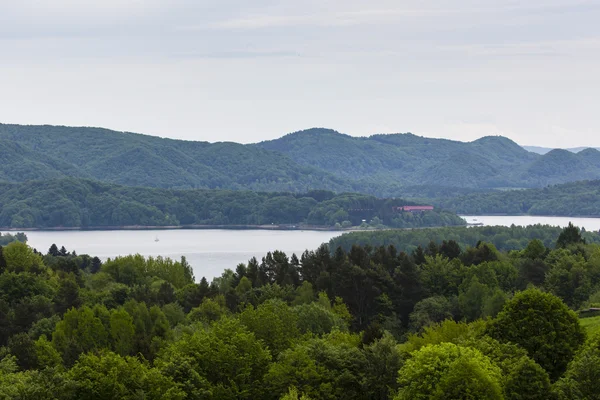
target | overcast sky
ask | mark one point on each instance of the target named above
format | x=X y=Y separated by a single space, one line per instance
x=247 y=71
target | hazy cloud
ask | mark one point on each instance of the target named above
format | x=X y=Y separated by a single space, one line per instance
x=247 y=71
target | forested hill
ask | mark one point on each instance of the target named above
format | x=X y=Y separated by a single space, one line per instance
x=381 y=165
x=489 y=162
x=84 y=203
x=571 y=199
x=45 y=152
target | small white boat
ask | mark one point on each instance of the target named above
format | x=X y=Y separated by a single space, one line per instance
x=156 y=239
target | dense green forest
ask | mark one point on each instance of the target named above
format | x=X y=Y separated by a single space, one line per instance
x=503 y=238
x=49 y=152
x=380 y=165
x=444 y=322
x=570 y=199
x=407 y=159
x=7 y=238
x=83 y=203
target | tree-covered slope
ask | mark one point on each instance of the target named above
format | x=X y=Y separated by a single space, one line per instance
x=570 y=199
x=83 y=203
x=381 y=165
x=141 y=160
x=407 y=159
x=558 y=166
x=18 y=163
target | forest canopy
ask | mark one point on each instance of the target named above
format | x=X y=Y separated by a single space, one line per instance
x=83 y=203
x=503 y=238
x=571 y=199
x=370 y=322
x=380 y=165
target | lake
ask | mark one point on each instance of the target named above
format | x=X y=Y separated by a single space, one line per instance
x=209 y=252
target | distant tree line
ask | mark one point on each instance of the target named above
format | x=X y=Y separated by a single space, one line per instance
x=7 y=238
x=84 y=203
x=571 y=199
x=503 y=238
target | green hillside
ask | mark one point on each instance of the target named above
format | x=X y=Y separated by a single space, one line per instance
x=83 y=203
x=381 y=165
x=141 y=160
x=407 y=159
x=570 y=199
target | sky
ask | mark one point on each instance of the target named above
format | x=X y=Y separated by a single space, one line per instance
x=246 y=71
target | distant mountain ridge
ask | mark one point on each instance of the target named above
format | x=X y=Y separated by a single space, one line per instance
x=544 y=150
x=311 y=159
x=489 y=162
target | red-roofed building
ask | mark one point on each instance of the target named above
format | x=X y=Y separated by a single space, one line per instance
x=417 y=208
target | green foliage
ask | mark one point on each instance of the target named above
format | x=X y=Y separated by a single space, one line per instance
x=8 y=238
x=558 y=334
x=446 y=331
x=581 y=378
x=569 y=236
x=274 y=323
x=80 y=331
x=430 y=311
x=383 y=362
x=412 y=160
x=591 y=325
x=293 y=395
x=383 y=165
x=140 y=160
x=325 y=368
x=527 y=381
x=225 y=361
x=31 y=385
x=210 y=310
x=318 y=319
x=503 y=238
x=46 y=355
x=83 y=203
x=132 y=270
x=448 y=371
x=332 y=325
x=20 y=258
x=110 y=376
x=569 y=199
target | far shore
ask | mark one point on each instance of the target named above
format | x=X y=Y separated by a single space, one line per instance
x=204 y=227
x=172 y=227
x=462 y=215
x=270 y=227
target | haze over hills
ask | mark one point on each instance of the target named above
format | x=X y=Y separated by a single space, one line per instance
x=544 y=150
x=312 y=159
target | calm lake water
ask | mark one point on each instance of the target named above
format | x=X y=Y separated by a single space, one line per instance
x=209 y=252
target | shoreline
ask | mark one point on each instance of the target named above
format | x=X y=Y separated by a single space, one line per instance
x=179 y=227
x=528 y=215
x=278 y=227
x=314 y=228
